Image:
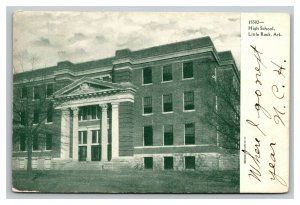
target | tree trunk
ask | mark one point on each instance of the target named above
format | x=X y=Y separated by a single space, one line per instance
x=29 y=153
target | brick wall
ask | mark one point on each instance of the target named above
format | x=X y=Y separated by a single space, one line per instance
x=203 y=68
x=123 y=75
x=126 y=128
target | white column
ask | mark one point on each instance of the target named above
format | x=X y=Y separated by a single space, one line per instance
x=104 y=133
x=65 y=134
x=89 y=144
x=75 y=133
x=115 y=130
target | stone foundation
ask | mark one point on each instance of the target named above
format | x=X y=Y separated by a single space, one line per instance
x=203 y=162
x=38 y=163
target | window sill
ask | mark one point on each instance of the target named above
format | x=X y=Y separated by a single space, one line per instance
x=168 y=112
x=147 y=84
x=188 y=78
x=147 y=114
x=167 y=81
x=190 y=169
x=189 y=110
x=19 y=151
x=48 y=123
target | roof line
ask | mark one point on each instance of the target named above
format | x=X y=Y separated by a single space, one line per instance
x=170 y=44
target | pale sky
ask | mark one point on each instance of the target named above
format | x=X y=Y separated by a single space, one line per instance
x=41 y=39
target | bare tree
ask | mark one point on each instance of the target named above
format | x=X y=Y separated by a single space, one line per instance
x=222 y=111
x=34 y=59
x=30 y=115
x=20 y=57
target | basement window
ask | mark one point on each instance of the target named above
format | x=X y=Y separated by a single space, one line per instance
x=148 y=162
x=168 y=162
x=190 y=162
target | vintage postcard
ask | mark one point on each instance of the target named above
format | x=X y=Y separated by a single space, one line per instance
x=150 y=102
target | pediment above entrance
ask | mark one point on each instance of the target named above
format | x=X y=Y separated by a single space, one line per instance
x=88 y=86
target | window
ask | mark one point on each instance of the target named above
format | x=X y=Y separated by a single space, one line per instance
x=148 y=136
x=187 y=70
x=82 y=137
x=189 y=130
x=80 y=113
x=48 y=142
x=96 y=147
x=167 y=103
x=36 y=116
x=36 y=94
x=168 y=134
x=189 y=162
x=22 y=142
x=147 y=75
x=95 y=112
x=23 y=117
x=147 y=105
x=49 y=90
x=96 y=138
x=35 y=142
x=83 y=113
x=148 y=162
x=89 y=112
x=24 y=92
x=50 y=113
x=189 y=101
x=168 y=162
x=167 y=73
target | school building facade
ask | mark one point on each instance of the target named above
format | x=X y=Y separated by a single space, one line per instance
x=138 y=109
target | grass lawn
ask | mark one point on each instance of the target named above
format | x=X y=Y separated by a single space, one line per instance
x=130 y=181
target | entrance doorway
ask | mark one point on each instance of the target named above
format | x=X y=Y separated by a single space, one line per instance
x=89 y=145
x=82 y=153
x=96 y=153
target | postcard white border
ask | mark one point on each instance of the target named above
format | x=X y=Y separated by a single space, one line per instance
x=6 y=86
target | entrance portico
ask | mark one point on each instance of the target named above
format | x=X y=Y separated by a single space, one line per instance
x=90 y=118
